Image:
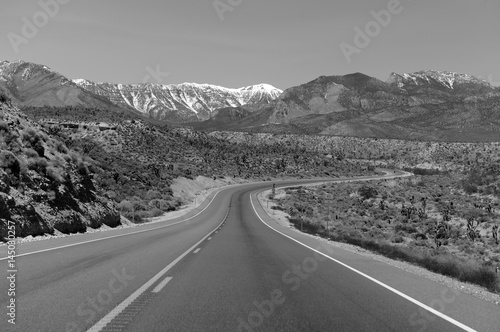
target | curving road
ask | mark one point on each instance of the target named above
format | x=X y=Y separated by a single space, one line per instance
x=225 y=267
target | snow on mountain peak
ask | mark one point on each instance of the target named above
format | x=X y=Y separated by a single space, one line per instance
x=446 y=78
x=183 y=102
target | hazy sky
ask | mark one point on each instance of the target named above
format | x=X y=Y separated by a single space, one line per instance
x=245 y=42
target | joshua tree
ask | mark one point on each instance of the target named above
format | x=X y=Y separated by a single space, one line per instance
x=496 y=233
x=424 y=203
x=472 y=225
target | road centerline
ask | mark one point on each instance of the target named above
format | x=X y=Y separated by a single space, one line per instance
x=125 y=303
x=162 y=284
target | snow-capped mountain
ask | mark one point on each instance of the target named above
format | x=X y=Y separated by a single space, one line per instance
x=29 y=84
x=180 y=102
x=423 y=105
x=446 y=78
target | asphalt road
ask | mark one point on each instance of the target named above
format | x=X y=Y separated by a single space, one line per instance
x=224 y=269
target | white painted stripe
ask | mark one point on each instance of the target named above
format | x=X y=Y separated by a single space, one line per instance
x=115 y=236
x=395 y=291
x=209 y=238
x=196 y=251
x=161 y=285
x=116 y=311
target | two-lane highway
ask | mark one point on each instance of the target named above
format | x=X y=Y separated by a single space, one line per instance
x=223 y=270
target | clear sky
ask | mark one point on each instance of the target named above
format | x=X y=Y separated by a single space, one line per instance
x=245 y=42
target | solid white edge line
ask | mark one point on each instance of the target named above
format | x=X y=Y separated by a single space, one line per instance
x=420 y=304
x=120 y=307
x=120 y=235
x=162 y=284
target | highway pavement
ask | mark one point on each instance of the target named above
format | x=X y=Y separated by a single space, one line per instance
x=224 y=267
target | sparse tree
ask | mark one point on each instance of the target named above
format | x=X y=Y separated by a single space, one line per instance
x=496 y=233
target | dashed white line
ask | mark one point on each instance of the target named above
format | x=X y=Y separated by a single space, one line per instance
x=161 y=285
x=117 y=310
x=209 y=238
x=196 y=251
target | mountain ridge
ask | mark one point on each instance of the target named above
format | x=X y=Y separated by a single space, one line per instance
x=428 y=104
x=180 y=102
x=30 y=84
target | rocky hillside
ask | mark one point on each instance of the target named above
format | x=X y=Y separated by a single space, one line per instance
x=29 y=84
x=427 y=105
x=136 y=161
x=44 y=186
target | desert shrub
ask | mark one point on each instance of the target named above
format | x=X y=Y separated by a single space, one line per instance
x=38 y=164
x=367 y=192
x=55 y=174
x=470 y=188
x=61 y=147
x=82 y=168
x=4 y=126
x=154 y=212
x=397 y=239
x=9 y=162
x=424 y=171
x=30 y=153
x=125 y=205
x=30 y=135
x=306 y=225
x=4 y=99
x=407 y=228
x=75 y=157
x=152 y=194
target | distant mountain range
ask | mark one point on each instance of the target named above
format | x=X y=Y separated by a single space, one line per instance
x=180 y=102
x=430 y=105
x=29 y=84
x=433 y=105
